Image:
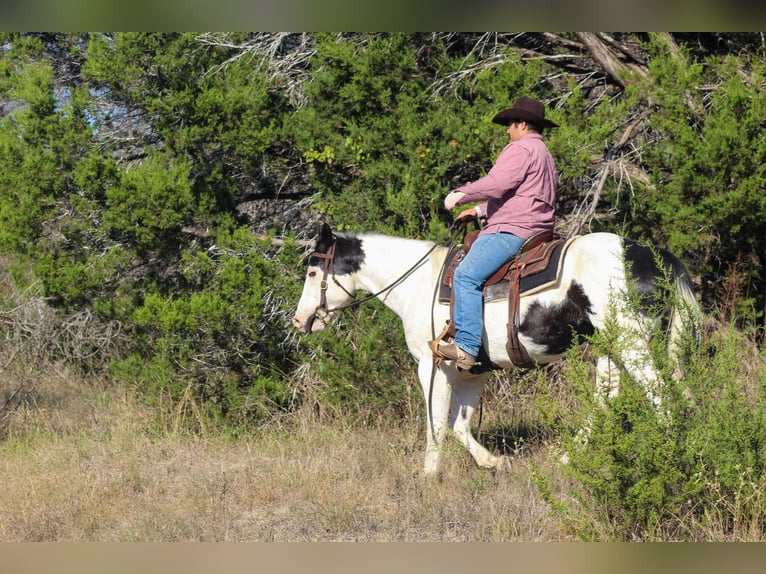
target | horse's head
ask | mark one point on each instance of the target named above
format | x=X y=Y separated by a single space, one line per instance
x=329 y=283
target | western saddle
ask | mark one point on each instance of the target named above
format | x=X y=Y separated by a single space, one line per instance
x=534 y=257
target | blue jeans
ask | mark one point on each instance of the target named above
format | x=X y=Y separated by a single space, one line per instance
x=485 y=257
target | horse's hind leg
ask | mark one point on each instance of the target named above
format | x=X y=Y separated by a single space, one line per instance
x=632 y=352
x=638 y=362
x=607 y=380
x=466 y=394
x=607 y=386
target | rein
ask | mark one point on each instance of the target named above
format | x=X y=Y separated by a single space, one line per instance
x=322 y=311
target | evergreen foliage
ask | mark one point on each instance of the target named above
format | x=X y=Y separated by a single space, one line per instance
x=135 y=166
x=113 y=146
x=643 y=476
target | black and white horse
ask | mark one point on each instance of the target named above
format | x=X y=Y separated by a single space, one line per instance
x=598 y=273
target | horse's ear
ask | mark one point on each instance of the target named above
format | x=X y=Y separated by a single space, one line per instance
x=324 y=239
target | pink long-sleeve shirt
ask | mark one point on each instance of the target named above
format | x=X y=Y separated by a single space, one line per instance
x=519 y=191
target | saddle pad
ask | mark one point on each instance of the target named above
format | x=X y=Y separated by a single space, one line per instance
x=499 y=290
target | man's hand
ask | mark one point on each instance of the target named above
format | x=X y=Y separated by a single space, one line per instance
x=452 y=198
x=466 y=216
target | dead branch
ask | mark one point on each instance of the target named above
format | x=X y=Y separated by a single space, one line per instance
x=280 y=242
x=609 y=59
x=284 y=56
x=613 y=163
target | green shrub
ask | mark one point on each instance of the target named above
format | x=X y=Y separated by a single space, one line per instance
x=383 y=150
x=222 y=334
x=709 y=169
x=364 y=364
x=698 y=474
x=114 y=145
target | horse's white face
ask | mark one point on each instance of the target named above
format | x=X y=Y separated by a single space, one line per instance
x=330 y=280
x=310 y=316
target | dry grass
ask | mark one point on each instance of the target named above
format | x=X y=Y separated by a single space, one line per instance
x=82 y=461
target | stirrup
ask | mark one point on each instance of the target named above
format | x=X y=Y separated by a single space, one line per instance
x=435 y=343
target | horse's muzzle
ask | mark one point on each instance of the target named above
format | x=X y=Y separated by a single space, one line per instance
x=304 y=327
x=310 y=325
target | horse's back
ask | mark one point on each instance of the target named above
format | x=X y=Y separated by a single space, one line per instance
x=594 y=259
x=609 y=266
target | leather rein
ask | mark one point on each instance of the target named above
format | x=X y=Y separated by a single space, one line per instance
x=321 y=312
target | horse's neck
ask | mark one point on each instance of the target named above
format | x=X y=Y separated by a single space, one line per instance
x=388 y=260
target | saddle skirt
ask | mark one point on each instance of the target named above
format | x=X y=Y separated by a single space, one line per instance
x=536 y=266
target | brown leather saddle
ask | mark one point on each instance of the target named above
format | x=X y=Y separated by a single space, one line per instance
x=535 y=265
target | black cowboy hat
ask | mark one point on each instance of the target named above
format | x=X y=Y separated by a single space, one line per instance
x=525 y=109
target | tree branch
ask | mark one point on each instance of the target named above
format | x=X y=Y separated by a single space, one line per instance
x=608 y=59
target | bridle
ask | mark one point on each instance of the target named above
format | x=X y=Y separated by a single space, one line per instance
x=329 y=258
x=322 y=312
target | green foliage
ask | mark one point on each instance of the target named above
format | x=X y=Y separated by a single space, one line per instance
x=149 y=203
x=114 y=145
x=39 y=146
x=382 y=147
x=219 y=335
x=221 y=122
x=364 y=361
x=709 y=166
x=693 y=468
x=107 y=233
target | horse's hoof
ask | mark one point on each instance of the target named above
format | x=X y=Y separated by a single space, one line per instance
x=504 y=465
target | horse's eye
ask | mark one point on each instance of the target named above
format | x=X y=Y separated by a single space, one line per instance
x=312 y=273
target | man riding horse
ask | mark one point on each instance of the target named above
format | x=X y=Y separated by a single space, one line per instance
x=519 y=195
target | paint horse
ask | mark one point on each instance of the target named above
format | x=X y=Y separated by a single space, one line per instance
x=596 y=273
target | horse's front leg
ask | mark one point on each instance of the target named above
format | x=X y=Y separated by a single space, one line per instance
x=437 y=391
x=467 y=390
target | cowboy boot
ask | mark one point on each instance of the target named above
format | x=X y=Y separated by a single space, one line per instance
x=464 y=360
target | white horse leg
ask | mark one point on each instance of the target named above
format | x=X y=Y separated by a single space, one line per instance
x=607 y=386
x=466 y=394
x=634 y=355
x=437 y=392
x=638 y=362
x=607 y=380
